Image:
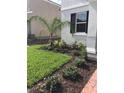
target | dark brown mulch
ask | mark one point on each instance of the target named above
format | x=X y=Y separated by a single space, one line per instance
x=68 y=86
x=40 y=40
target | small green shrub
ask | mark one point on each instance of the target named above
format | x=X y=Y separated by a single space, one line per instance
x=76 y=53
x=50 y=47
x=70 y=73
x=75 y=45
x=80 y=63
x=56 y=43
x=63 y=44
x=83 y=51
x=47 y=47
x=52 y=84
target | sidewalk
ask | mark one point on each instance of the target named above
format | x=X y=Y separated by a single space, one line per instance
x=91 y=86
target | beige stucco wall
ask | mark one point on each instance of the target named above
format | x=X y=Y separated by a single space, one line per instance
x=44 y=9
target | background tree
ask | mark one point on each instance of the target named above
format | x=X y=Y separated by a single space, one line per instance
x=29 y=25
x=53 y=26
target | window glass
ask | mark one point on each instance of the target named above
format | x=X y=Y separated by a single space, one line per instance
x=81 y=27
x=81 y=17
x=79 y=22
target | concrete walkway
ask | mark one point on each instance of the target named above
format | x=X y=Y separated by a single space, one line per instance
x=91 y=86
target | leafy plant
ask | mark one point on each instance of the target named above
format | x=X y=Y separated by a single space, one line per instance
x=64 y=45
x=76 y=52
x=53 y=84
x=71 y=73
x=75 y=45
x=56 y=43
x=80 y=63
x=83 y=51
x=53 y=26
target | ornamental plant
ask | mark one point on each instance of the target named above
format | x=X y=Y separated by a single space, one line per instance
x=71 y=73
x=53 y=84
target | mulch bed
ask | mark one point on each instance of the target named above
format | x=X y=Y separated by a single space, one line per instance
x=68 y=86
x=40 y=40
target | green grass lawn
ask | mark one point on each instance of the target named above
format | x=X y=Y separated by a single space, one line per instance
x=41 y=63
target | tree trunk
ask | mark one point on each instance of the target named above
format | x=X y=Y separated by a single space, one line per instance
x=51 y=41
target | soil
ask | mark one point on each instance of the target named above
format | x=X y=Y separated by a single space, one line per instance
x=68 y=86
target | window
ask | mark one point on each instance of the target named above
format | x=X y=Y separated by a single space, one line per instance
x=82 y=17
x=79 y=22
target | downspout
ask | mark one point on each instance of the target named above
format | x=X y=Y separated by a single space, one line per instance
x=29 y=26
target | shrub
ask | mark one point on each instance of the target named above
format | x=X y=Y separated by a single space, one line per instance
x=50 y=47
x=80 y=63
x=52 y=84
x=70 y=73
x=47 y=47
x=76 y=52
x=83 y=51
x=60 y=44
x=63 y=44
x=75 y=45
x=56 y=43
x=80 y=45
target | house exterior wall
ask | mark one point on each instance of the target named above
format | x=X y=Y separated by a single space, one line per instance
x=44 y=9
x=75 y=6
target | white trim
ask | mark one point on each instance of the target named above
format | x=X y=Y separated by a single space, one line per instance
x=80 y=33
x=75 y=6
x=84 y=22
x=29 y=12
x=92 y=1
x=91 y=50
x=51 y=2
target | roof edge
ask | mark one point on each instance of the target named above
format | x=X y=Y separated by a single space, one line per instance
x=51 y=2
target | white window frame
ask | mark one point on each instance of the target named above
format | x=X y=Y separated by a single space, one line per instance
x=76 y=23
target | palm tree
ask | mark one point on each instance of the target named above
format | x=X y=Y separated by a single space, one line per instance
x=29 y=24
x=53 y=26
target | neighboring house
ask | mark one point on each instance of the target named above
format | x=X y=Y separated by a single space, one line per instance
x=44 y=8
x=83 y=17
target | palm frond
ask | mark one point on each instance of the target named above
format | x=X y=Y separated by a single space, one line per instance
x=43 y=21
x=60 y=25
x=31 y=18
x=52 y=27
x=54 y=23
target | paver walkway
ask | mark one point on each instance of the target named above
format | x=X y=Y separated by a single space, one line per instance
x=91 y=86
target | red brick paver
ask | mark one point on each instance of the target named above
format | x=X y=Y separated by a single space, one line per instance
x=91 y=86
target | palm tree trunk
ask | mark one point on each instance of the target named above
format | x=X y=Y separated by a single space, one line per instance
x=50 y=39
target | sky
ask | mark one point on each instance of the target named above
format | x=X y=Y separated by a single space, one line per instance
x=57 y=1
